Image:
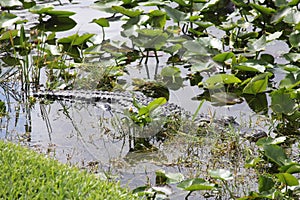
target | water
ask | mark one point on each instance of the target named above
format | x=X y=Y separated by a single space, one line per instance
x=89 y=137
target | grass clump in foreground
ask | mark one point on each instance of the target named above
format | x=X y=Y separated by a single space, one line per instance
x=25 y=174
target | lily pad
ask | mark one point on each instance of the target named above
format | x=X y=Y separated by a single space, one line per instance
x=127 y=12
x=218 y=80
x=221 y=174
x=195 y=184
x=281 y=101
x=10 y=3
x=257 y=84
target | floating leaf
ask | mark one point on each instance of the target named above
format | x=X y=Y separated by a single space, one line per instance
x=279 y=16
x=195 y=184
x=59 y=13
x=75 y=39
x=168 y=178
x=157 y=19
x=273 y=36
x=281 y=101
x=222 y=57
x=40 y=9
x=258 y=45
x=56 y=24
x=252 y=66
x=10 y=3
x=150 y=39
x=127 y=12
x=221 y=174
x=175 y=14
x=218 y=80
x=7 y=19
x=172 y=49
x=101 y=22
x=289 y=80
x=257 y=84
x=292 y=17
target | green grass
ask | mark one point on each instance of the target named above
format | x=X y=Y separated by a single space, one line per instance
x=25 y=174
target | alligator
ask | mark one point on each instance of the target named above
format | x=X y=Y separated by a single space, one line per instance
x=118 y=101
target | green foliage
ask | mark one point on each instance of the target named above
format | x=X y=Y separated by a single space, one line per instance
x=195 y=184
x=28 y=175
x=144 y=115
x=280 y=172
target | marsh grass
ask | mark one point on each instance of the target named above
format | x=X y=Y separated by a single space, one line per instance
x=28 y=175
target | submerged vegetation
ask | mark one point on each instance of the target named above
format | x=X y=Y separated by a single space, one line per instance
x=236 y=51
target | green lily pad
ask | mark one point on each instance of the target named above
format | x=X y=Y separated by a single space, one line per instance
x=257 y=84
x=150 y=39
x=281 y=101
x=59 y=13
x=49 y=10
x=7 y=19
x=195 y=184
x=127 y=12
x=56 y=24
x=175 y=14
x=221 y=174
x=75 y=40
x=222 y=57
x=258 y=45
x=218 y=80
x=252 y=66
x=10 y=3
x=101 y=22
x=168 y=178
